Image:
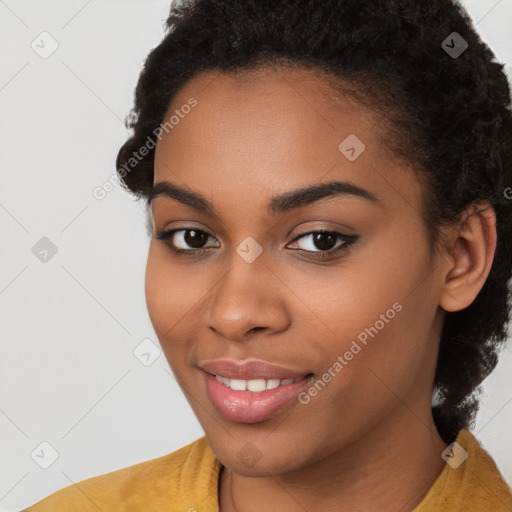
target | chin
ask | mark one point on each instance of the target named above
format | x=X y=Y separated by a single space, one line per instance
x=276 y=466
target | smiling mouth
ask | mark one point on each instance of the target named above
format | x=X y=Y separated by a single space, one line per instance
x=254 y=400
x=256 y=385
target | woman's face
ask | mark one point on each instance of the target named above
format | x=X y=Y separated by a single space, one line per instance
x=364 y=319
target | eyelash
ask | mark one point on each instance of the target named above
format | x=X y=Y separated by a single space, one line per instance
x=347 y=240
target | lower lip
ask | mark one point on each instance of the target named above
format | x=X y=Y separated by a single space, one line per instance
x=251 y=406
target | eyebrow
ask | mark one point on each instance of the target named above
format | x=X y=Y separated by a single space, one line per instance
x=278 y=204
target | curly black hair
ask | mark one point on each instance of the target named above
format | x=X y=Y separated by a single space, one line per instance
x=447 y=114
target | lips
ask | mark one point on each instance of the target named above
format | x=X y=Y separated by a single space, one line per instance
x=244 y=405
x=252 y=407
x=251 y=370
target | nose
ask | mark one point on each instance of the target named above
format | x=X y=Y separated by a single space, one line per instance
x=248 y=299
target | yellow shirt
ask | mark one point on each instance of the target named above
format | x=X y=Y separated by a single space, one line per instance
x=187 y=480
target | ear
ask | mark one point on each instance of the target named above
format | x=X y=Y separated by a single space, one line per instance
x=469 y=255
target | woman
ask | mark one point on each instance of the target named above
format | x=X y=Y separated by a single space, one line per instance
x=328 y=184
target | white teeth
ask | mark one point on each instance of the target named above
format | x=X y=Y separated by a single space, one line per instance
x=238 y=384
x=254 y=385
x=272 y=383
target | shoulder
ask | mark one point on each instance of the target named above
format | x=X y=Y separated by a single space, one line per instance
x=168 y=480
x=483 y=476
x=470 y=481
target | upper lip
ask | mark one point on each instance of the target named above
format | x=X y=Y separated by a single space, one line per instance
x=252 y=369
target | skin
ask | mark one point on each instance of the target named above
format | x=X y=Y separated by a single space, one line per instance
x=367 y=441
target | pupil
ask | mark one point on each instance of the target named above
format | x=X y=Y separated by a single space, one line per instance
x=321 y=243
x=195 y=239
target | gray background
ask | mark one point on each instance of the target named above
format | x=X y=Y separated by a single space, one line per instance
x=69 y=325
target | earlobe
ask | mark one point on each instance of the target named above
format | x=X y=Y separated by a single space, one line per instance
x=471 y=258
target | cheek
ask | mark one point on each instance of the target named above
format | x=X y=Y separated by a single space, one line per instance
x=358 y=293
x=377 y=314
x=170 y=299
x=155 y=290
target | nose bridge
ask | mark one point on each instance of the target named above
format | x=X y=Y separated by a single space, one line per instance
x=245 y=297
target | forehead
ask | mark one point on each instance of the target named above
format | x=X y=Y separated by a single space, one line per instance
x=273 y=129
x=266 y=100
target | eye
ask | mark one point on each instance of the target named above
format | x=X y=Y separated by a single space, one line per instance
x=318 y=244
x=183 y=241
x=324 y=243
